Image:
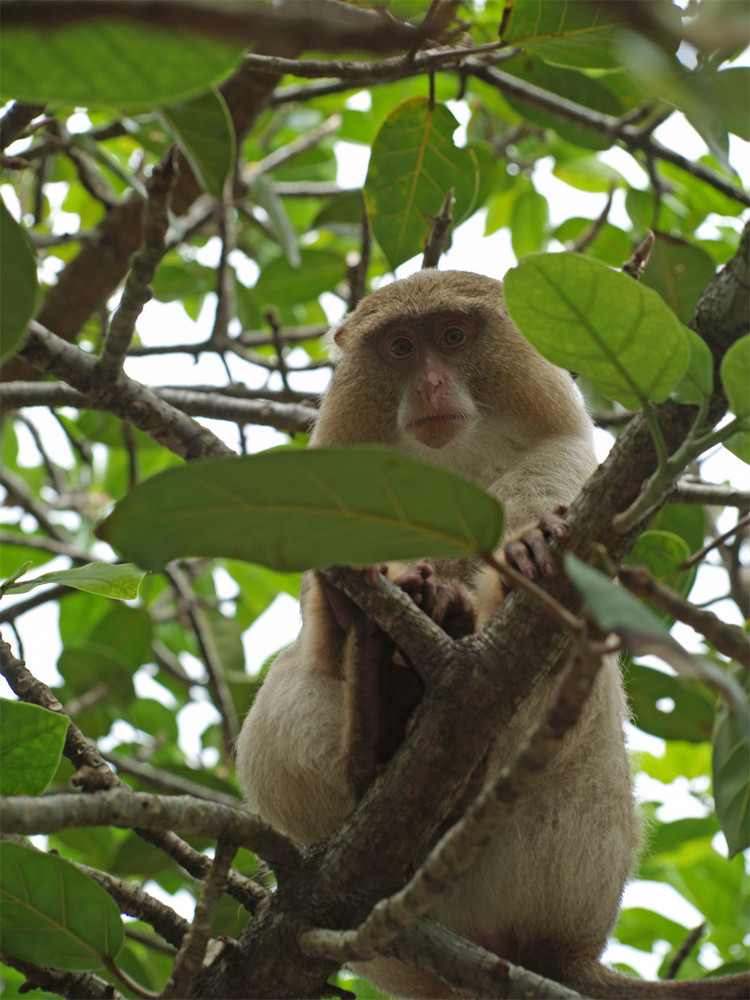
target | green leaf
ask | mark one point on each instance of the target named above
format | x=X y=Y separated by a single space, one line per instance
x=575 y=33
x=319 y=271
x=292 y=510
x=679 y=272
x=413 y=165
x=583 y=316
x=735 y=376
x=53 y=914
x=662 y=552
x=575 y=86
x=733 y=85
x=529 y=223
x=107 y=62
x=31 y=743
x=739 y=442
x=731 y=768
x=698 y=381
x=120 y=581
x=203 y=130
x=673 y=708
x=587 y=173
x=17 y=282
x=618 y=611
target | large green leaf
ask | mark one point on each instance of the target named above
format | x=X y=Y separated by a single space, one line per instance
x=204 y=132
x=575 y=86
x=413 y=165
x=574 y=33
x=586 y=317
x=679 y=272
x=731 y=767
x=120 y=580
x=52 y=913
x=735 y=376
x=17 y=282
x=31 y=742
x=101 y=62
x=294 y=510
x=673 y=708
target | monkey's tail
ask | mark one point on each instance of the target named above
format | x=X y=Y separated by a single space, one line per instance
x=594 y=980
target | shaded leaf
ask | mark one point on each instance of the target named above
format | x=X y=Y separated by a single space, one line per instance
x=293 y=510
x=735 y=376
x=98 y=62
x=52 y=913
x=698 y=381
x=529 y=223
x=31 y=743
x=318 y=271
x=673 y=708
x=584 y=316
x=679 y=272
x=662 y=552
x=731 y=773
x=203 y=130
x=413 y=165
x=618 y=611
x=17 y=282
x=120 y=581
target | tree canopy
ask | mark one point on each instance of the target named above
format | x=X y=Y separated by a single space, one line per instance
x=179 y=227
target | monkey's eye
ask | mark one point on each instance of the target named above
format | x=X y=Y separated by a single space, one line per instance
x=454 y=336
x=399 y=347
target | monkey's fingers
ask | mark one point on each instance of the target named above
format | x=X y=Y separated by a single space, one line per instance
x=553 y=524
x=530 y=554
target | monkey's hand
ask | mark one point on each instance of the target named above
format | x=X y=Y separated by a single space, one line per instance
x=446 y=602
x=530 y=552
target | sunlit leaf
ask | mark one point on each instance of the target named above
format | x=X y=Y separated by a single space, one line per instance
x=662 y=552
x=586 y=317
x=120 y=580
x=52 y=913
x=413 y=165
x=203 y=129
x=293 y=510
x=31 y=742
x=529 y=223
x=17 y=282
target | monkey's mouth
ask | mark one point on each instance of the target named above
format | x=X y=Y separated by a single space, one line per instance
x=437 y=429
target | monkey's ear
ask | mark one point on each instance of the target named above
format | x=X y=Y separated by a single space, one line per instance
x=338 y=334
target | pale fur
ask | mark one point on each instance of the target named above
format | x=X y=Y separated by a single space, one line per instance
x=546 y=891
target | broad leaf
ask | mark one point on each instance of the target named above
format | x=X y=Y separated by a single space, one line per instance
x=616 y=610
x=672 y=708
x=731 y=765
x=662 y=552
x=529 y=223
x=735 y=376
x=17 y=282
x=203 y=129
x=698 y=380
x=31 y=743
x=576 y=33
x=679 y=272
x=294 y=510
x=413 y=165
x=120 y=580
x=52 y=913
x=584 y=316
x=98 y=62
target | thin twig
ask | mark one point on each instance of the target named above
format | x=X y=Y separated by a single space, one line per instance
x=143 y=266
x=439 y=232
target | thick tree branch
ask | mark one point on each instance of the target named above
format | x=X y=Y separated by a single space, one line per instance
x=128 y=809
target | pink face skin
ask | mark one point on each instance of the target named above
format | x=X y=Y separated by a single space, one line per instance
x=428 y=358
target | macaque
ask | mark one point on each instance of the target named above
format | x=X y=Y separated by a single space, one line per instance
x=433 y=365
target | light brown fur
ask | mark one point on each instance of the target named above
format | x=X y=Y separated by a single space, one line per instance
x=546 y=891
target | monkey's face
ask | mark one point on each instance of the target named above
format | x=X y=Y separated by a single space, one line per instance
x=429 y=359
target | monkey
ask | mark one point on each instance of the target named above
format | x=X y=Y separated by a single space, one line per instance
x=433 y=365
